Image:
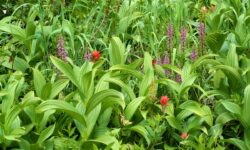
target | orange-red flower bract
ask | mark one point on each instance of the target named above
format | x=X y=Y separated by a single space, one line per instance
x=184 y=135
x=96 y=55
x=164 y=100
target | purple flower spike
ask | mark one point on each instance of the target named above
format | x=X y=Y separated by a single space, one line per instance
x=170 y=34
x=178 y=78
x=183 y=38
x=61 y=49
x=202 y=35
x=167 y=61
x=193 y=55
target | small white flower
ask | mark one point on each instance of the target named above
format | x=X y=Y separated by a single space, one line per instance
x=4 y=11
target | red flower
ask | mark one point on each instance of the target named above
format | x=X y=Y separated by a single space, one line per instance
x=184 y=135
x=164 y=100
x=96 y=55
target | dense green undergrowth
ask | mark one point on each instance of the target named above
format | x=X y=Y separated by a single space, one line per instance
x=125 y=74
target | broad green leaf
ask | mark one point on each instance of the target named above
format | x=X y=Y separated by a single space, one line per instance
x=107 y=139
x=62 y=106
x=127 y=69
x=215 y=41
x=184 y=114
x=69 y=29
x=45 y=134
x=39 y=82
x=237 y=142
x=99 y=98
x=20 y=64
x=246 y=106
x=29 y=99
x=205 y=60
x=185 y=85
x=193 y=107
x=232 y=57
x=16 y=31
x=57 y=87
x=123 y=86
x=224 y=118
x=132 y=107
x=174 y=122
x=208 y=116
x=10 y=117
x=111 y=101
x=117 y=52
x=142 y=131
x=173 y=68
x=230 y=70
x=168 y=82
x=247 y=137
x=46 y=91
x=8 y=99
x=148 y=78
x=66 y=69
x=87 y=83
x=232 y=107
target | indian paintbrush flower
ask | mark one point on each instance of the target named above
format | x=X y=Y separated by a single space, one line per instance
x=96 y=55
x=164 y=102
x=184 y=135
x=61 y=49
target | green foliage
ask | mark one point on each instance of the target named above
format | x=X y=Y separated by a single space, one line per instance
x=56 y=94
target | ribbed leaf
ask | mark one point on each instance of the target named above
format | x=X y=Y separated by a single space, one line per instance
x=193 y=107
x=20 y=64
x=224 y=118
x=174 y=122
x=16 y=31
x=123 y=86
x=46 y=91
x=240 y=144
x=100 y=97
x=148 y=78
x=142 y=131
x=133 y=106
x=246 y=106
x=107 y=140
x=232 y=57
x=117 y=52
x=45 y=134
x=66 y=69
x=127 y=69
x=232 y=107
x=62 y=106
x=57 y=87
x=39 y=82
